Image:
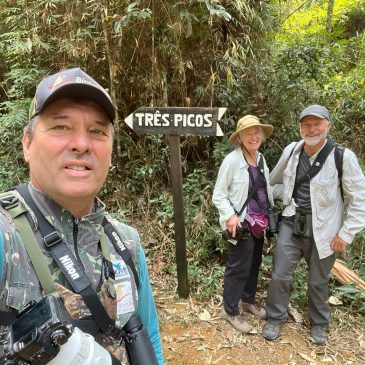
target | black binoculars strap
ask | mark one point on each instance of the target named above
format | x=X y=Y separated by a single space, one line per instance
x=120 y=247
x=339 y=152
x=72 y=270
x=317 y=164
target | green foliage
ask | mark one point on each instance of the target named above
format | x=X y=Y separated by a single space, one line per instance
x=352 y=297
x=163 y=208
x=206 y=282
x=267 y=58
x=133 y=13
x=203 y=238
x=300 y=284
x=314 y=66
x=11 y=126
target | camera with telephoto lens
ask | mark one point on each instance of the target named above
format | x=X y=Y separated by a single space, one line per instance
x=242 y=233
x=37 y=334
x=273 y=220
x=138 y=344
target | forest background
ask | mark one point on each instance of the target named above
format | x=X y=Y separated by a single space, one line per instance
x=267 y=58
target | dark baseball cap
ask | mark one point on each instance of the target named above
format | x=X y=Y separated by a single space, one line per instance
x=70 y=83
x=315 y=110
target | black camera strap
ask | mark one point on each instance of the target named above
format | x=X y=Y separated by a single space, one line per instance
x=262 y=179
x=72 y=269
x=120 y=247
x=253 y=189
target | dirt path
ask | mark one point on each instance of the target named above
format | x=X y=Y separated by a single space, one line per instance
x=193 y=333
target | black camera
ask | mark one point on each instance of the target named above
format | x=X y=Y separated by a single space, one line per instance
x=273 y=220
x=242 y=233
x=37 y=334
x=138 y=344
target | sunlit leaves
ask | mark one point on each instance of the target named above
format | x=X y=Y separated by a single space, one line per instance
x=216 y=9
x=133 y=12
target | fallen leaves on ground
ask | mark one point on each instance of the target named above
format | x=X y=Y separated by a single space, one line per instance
x=193 y=333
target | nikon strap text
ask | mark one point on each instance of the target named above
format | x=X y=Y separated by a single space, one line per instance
x=72 y=269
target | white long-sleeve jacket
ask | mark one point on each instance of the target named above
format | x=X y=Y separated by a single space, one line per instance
x=232 y=186
x=329 y=217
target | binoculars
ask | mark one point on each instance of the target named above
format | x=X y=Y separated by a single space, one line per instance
x=42 y=334
x=273 y=220
x=302 y=227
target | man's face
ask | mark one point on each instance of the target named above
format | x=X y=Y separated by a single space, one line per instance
x=69 y=151
x=314 y=130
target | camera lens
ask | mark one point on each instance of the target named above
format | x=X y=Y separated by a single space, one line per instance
x=133 y=325
x=59 y=337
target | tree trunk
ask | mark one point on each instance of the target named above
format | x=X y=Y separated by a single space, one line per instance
x=329 y=15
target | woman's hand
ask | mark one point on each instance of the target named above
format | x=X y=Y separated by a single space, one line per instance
x=232 y=224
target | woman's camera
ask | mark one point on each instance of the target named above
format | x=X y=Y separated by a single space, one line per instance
x=242 y=233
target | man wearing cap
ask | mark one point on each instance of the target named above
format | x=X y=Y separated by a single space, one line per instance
x=68 y=146
x=315 y=224
x=244 y=212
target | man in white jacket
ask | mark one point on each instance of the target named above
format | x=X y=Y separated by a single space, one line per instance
x=315 y=224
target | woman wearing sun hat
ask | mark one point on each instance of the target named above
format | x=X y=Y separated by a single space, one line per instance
x=243 y=171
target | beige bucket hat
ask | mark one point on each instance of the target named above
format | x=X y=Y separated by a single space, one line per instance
x=247 y=122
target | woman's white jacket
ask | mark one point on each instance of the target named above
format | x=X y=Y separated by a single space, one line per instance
x=231 y=187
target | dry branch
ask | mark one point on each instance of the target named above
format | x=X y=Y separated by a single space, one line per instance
x=346 y=275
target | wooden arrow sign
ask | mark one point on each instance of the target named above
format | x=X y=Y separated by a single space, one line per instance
x=177 y=121
x=174 y=122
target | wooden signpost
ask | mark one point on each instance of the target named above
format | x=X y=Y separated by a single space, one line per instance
x=175 y=122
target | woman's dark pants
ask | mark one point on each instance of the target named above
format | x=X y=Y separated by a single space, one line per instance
x=242 y=271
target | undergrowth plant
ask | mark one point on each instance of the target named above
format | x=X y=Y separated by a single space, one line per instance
x=265 y=58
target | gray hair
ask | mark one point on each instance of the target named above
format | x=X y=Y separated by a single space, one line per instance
x=29 y=128
x=263 y=134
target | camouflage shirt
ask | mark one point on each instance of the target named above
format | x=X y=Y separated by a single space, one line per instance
x=19 y=281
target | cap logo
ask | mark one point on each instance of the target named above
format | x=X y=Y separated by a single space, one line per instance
x=69 y=83
x=59 y=81
x=81 y=80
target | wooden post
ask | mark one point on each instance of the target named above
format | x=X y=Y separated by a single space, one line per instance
x=179 y=220
x=175 y=121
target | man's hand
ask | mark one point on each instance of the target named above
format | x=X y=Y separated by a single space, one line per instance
x=338 y=244
x=232 y=224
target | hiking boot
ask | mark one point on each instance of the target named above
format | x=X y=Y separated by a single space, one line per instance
x=271 y=330
x=238 y=322
x=253 y=308
x=318 y=335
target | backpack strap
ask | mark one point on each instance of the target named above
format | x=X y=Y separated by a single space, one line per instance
x=19 y=214
x=339 y=152
x=291 y=152
x=71 y=268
